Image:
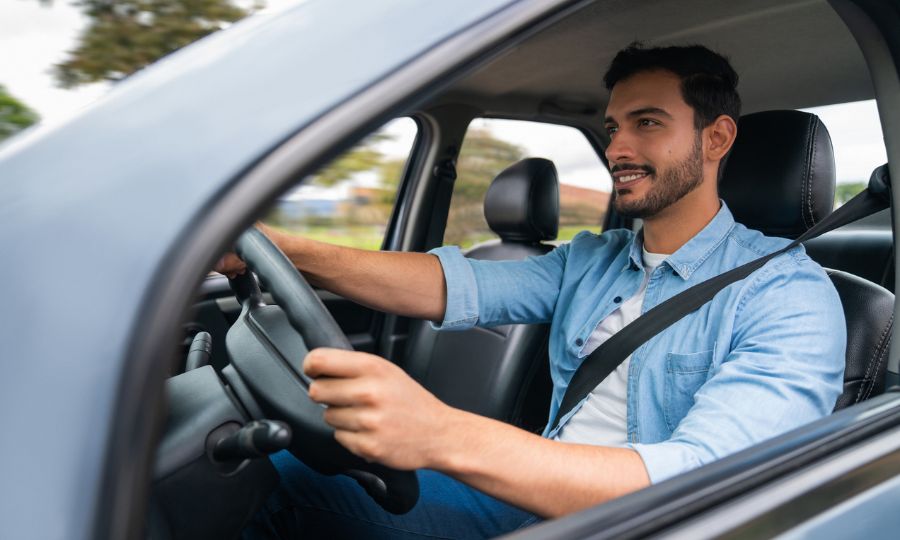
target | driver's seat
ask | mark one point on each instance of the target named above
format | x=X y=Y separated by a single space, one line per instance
x=780 y=179
x=490 y=371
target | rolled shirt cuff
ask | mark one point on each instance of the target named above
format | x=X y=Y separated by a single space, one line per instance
x=462 y=290
x=666 y=459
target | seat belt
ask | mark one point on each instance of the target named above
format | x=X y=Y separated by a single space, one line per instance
x=611 y=353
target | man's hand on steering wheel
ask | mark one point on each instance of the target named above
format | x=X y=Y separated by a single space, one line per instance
x=378 y=411
x=265 y=345
x=230 y=265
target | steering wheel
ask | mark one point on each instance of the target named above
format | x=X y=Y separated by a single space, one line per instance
x=267 y=345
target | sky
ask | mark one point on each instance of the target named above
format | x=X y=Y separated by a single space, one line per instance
x=34 y=37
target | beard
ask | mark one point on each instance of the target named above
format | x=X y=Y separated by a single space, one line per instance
x=666 y=188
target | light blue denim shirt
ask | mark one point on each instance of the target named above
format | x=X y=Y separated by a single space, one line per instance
x=764 y=356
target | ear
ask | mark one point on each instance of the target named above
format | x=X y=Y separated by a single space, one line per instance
x=719 y=137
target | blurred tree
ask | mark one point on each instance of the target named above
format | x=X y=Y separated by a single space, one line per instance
x=14 y=115
x=845 y=192
x=127 y=35
x=363 y=157
x=481 y=158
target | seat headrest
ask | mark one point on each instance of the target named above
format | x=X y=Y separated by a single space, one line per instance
x=522 y=203
x=780 y=176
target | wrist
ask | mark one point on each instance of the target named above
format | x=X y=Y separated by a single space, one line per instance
x=454 y=434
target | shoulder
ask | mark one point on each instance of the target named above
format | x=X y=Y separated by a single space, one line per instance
x=754 y=243
x=588 y=248
x=587 y=241
x=788 y=279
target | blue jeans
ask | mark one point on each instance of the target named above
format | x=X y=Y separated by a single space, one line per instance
x=311 y=505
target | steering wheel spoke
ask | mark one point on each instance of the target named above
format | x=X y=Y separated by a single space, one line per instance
x=267 y=345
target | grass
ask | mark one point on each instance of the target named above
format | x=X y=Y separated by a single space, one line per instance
x=368 y=237
x=355 y=236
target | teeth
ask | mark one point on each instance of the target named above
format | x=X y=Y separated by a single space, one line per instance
x=630 y=178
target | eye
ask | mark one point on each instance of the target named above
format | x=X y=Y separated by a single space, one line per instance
x=611 y=129
x=647 y=122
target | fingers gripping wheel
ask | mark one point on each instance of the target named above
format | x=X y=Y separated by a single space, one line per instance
x=267 y=345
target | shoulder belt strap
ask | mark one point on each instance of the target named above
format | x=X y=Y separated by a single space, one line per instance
x=609 y=355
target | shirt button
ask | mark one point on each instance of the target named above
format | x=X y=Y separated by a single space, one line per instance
x=617 y=299
x=579 y=342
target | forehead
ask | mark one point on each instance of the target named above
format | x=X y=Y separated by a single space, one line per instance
x=656 y=89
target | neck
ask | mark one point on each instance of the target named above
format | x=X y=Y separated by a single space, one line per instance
x=673 y=227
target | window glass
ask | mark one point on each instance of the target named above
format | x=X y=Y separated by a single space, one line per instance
x=491 y=145
x=349 y=201
x=855 y=131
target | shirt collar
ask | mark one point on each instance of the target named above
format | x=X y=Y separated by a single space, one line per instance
x=691 y=255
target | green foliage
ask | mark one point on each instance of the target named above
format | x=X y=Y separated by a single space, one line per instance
x=127 y=35
x=361 y=223
x=481 y=158
x=845 y=192
x=14 y=115
x=361 y=158
x=390 y=172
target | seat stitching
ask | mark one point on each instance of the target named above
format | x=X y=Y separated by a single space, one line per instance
x=869 y=366
x=879 y=355
x=804 y=185
x=803 y=180
x=812 y=172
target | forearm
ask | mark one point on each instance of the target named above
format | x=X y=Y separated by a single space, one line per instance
x=546 y=477
x=408 y=284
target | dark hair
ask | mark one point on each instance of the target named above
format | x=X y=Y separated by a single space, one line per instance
x=708 y=82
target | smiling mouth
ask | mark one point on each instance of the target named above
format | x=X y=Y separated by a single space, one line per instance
x=626 y=179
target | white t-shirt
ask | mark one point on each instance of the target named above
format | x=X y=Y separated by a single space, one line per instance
x=602 y=420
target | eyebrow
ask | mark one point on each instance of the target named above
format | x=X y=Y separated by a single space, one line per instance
x=642 y=111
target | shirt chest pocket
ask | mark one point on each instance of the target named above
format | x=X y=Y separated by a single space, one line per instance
x=685 y=374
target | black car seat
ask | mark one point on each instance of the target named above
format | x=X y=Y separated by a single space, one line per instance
x=780 y=179
x=489 y=371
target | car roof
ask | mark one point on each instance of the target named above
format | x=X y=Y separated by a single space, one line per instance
x=789 y=54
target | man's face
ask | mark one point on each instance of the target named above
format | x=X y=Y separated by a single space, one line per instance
x=655 y=154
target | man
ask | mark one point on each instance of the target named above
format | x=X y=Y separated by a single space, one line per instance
x=759 y=359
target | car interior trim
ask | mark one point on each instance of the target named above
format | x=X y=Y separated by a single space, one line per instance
x=871 y=24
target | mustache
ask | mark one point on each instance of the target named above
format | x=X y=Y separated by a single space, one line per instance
x=632 y=167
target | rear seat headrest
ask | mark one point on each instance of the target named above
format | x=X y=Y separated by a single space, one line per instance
x=780 y=176
x=522 y=203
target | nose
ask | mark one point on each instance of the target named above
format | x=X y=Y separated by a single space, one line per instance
x=620 y=148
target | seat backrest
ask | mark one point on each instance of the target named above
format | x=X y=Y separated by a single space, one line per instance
x=780 y=179
x=864 y=252
x=490 y=371
x=868 y=335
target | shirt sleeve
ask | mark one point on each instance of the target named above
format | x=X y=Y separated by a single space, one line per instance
x=490 y=293
x=785 y=369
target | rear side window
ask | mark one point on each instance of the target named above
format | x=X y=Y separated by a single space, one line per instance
x=349 y=201
x=491 y=145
